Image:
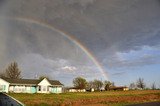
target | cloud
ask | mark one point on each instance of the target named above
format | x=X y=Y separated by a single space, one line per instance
x=118 y=73
x=144 y=57
x=80 y=2
x=101 y=23
x=69 y=68
x=33 y=65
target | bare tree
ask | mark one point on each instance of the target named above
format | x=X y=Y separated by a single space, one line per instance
x=13 y=71
x=90 y=84
x=80 y=82
x=153 y=87
x=108 y=84
x=2 y=75
x=140 y=83
x=43 y=76
x=132 y=86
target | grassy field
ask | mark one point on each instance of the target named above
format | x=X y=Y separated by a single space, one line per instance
x=107 y=98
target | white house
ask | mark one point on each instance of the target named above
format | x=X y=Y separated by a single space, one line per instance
x=4 y=85
x=74 y=89
x=30 y=86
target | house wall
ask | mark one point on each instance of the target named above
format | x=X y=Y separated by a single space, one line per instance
x=125 y=89
x=22 y=89
x=59 y=89
x=28 y=89
x=56 y=89
x=43 y=86
x=33 y=89
x=4 y=86
x=77 y=90
x=19 y=89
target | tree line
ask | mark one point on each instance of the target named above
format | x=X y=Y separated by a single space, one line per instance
x=81 y=83
x=140 y=84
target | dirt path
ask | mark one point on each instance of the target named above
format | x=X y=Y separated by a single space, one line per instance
x=147 y=104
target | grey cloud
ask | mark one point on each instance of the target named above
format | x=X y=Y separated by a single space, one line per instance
x=118 y=73
x=138 y=62
x=36 y=64
x=102 y=20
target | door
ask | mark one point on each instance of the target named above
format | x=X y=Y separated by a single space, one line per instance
x=33 y=89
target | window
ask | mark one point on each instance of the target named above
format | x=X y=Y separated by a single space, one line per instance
x=47 y=88
x=1 y=87
x=39 y=88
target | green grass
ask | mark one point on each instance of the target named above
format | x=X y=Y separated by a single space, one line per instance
x=113 y=98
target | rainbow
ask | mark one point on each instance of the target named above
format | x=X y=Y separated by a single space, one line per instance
x=69 y=37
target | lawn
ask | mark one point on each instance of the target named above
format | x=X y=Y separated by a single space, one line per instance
x=113 y=98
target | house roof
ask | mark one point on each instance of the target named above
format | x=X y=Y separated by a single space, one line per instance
x=30 y=81
x=120 y=87
x=55 y=82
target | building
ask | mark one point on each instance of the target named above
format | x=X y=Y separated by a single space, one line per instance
x=74 y=89
x=30 y=86
x=121 y=88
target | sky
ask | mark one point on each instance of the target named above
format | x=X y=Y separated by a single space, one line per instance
x=116 y=40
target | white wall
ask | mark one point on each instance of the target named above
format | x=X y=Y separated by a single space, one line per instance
x=4 y=83
x=28 y=89
x=77 y=90
x=44 y=85
x=19 y=89
x=59 y=89
x=44 y=82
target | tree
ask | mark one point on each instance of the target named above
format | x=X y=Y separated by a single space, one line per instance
x=153 y=87
x=13 y=71
x=107 y=84
x=90 y=85
x=97 y=84
x=80 y=82
x=132 y=86
x=2 y=75
x=140 y=83
x=43 y=76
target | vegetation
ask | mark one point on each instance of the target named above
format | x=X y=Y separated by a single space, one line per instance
x=132 y=86
x=80 y=82
x=153 y=87
x=97 y=84
x=12 y=71
x=115 y=98
x=43 y=76
x=108 y=85
x=140 y=83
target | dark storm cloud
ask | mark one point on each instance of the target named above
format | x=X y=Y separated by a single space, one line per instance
x=2 y=2
x=98 y=21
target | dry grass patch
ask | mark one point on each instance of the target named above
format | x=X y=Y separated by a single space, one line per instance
x=96 y=98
